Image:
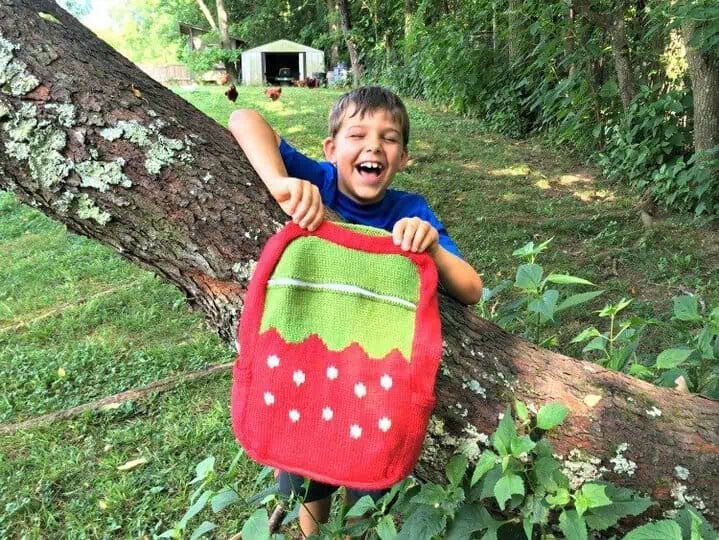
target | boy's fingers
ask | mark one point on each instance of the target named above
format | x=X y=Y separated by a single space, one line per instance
x=295 y=190
x=398 y=231
x=304 y=203
x=319 y=217
x=419 y=236
x=408 y=235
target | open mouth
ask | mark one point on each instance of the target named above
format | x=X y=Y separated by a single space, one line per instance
x=370 y=169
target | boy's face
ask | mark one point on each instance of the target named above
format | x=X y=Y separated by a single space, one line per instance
x=368 y=152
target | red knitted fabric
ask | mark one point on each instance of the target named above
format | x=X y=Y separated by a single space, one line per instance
x=339 y=417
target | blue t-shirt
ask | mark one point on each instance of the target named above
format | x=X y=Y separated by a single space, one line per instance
x=384 y=214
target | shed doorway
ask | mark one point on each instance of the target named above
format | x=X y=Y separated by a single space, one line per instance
x=273 y=62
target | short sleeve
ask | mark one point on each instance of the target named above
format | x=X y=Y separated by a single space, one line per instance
x=424 y=212
x=300 y=166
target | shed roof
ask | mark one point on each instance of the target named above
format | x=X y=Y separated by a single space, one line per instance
x=282 y=45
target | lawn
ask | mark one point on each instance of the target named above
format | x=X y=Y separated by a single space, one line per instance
x=78 y=323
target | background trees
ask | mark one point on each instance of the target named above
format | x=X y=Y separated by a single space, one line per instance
x=632 y=84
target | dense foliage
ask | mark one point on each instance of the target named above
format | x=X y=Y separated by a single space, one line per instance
x=611 y=80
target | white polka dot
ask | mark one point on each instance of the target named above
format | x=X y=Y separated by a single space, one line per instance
x=360 y=390
x=327 y=414
x=294 y=415
x=299 y=377
x=269 y=398
x=385 y=381
x=332 y=373
x=355 y=431
x=273 y=361
x=385 y=423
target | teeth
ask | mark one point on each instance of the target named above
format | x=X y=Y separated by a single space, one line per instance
x=370 y=165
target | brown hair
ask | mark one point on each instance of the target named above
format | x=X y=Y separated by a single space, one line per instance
x=368 y=99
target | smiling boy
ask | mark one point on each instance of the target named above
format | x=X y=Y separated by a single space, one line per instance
x=366 y=147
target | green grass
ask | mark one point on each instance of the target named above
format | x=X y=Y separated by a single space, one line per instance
x=67 y=302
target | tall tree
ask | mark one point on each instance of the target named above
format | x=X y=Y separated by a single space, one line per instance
x=332 y=27
x=613 y=22
x=221 y=27
x=129 y=163
x=346 y=22
x=704 y=72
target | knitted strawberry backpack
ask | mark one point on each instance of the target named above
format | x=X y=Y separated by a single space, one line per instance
x=340 y=342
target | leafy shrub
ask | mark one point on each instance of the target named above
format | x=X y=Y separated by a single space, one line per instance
x=649 y=147
x=516 y=489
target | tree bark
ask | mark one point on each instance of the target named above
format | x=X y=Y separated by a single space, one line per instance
x=332 y=26
x=613 y=22
x=346 y=23
x=91 y=141
x=225 y=41
x=208 y=14
x=704 y=73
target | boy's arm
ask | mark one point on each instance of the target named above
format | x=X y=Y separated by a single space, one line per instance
x=461 y=280
x=298 y=198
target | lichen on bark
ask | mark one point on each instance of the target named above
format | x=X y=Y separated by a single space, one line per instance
x=14 y=77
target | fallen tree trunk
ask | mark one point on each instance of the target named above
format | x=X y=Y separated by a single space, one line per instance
x=91 y=141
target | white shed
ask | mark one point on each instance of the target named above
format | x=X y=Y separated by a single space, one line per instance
x=261 y=64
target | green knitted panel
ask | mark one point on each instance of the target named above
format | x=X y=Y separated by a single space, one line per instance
x=376 y=325
x=365 y=229
x=306 y=259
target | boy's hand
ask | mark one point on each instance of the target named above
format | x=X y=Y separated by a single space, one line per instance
x=415 y=235
x=300 y=200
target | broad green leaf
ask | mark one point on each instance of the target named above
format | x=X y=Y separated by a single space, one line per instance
x=625 y=502
x=470 y=518
x=422 y=524
x=551 y=415
x=672 y=358
x=386 y=529
x=223 y=499
x=566 y=279
x=595 y=495
x=195 y=509
x=572 y=525
x=686 y=308
x=577 y=299
x=489 y=481
x=560 y=498
x=585 y=334
x=522 y=445
x=257 y=526
x=353 y=528
x=362 y=506
x=486 y=463
x=545 y=306
x=456 y=468
x=693 y=524
x=529 y=277
x=666 y=530
x=597 y=344
x=506 y=431
x=204 y=528
x=430 y=494
x=522 y=411
x=204 y=467
x=544 y=472
x=507 y=486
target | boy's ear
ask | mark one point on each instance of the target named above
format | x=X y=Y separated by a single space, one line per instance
x=329 y=147
x=404 y=159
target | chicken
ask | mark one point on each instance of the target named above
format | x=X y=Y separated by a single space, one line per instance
x=231 y=93
x=273 y=92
